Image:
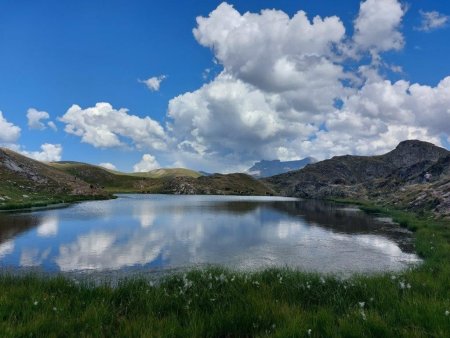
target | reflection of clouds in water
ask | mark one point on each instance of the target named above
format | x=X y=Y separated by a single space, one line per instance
x=286 y=228
x=172 y=232
x=389 y=248
x=6 y=248
x=33 y=257
x=48 y=227
x=145 y=213
x=103 y=251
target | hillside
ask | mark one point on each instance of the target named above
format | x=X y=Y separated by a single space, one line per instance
x=414 y=175
x=26 y=181
x=217 y=184
x=270 y=168
x=168 y=172
x=165 y=181
x=100 y=177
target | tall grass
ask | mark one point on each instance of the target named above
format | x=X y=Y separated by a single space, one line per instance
x=218 y=302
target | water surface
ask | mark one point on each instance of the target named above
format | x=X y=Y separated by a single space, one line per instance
x=161 y=232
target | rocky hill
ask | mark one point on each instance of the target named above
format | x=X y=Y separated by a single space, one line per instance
x=26 y=181
x=266 y=168
x=414 y=175
x=165 y=181
x=217 y=184
x=111 y=181
x=168 y=172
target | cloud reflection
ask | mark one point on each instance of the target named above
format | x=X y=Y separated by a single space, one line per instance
x=6 y=248
x=48 y=227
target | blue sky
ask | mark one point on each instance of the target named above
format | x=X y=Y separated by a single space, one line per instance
x=55 y=54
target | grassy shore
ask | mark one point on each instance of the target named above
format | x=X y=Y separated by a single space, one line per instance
x=217 y=302
x=37 y=203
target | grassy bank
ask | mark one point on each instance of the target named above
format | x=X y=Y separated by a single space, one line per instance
x=217 y=302
x=50 y=201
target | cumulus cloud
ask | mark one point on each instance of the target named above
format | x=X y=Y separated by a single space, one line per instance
x=103 y=126
x=108 y=165
x=147 y=163
x=432 y=20
x=272 y=51
x=35 y=118
x=289 y=87
x=154 y=83
x=49 y=153
x=283 y=90
x=9 y=132
x=377 y=26
x=52 y=125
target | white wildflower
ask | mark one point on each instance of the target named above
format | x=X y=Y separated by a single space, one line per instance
x=363 y=315
x=309 y=332
x=361 y=304
x=447 y=312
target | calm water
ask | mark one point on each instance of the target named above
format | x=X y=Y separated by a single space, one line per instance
x=161 y=232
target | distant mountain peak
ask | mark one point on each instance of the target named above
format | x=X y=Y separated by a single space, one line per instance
x=266 y=168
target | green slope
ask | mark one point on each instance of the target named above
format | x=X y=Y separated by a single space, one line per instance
x=26 y=182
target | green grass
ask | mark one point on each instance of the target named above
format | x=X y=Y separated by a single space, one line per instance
x=217 y=302
x=42 y=202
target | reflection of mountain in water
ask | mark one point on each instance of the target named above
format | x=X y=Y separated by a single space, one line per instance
x=11 y=226
x=332 y=216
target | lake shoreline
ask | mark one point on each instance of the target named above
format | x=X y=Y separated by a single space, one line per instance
x=217 y=301
x=51 y=204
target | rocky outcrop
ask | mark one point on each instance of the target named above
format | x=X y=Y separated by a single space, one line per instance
x=413 y=175
x=217 y=184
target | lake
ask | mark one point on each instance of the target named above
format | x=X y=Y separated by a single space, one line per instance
x=157 y=233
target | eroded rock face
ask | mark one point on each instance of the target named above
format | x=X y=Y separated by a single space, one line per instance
x=414 y=175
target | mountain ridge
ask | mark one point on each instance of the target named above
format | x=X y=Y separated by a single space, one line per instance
x=415 y=174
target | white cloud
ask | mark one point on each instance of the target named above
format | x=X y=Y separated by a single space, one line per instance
x=377 y=26
x=154 y=82
x=49 y=153
x=147 y=163
x=108 y=165
x=103 y=126
x=52 y=125
x=35 y=118
x=279 y=84
x=273 y=52
x=9 y=132
x=432 y=20
x=285 y=90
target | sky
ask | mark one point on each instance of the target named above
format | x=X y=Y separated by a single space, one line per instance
x=216 y=86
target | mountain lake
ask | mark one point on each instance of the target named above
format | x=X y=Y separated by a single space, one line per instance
x=157 y=234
